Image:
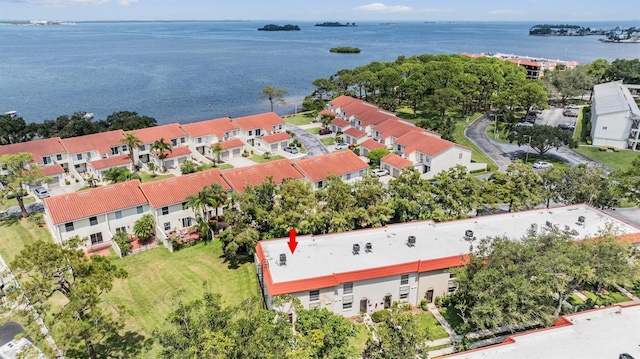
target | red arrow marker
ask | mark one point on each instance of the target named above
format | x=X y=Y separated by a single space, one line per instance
x=292 y=240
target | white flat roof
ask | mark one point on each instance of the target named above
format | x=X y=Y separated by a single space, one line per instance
x=603 y=333
x=323 y=255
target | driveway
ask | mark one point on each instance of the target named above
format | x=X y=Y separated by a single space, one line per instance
x=31 y=208
x=310 y=142
x=504 y=153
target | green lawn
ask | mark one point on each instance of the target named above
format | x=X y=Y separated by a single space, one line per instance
x=314 y=130
x=16 y=233
x=580 y=133
x=360 y=340
x=328 y=141
x=427 y=320
x=575 y=300
x=225 y=166
x=617 y=160
x=148 y=177
x=261 y=159
x=533 y=158
x=303 y=118
x=450 y=314
x=603 y=299
x=157 y=275
x=502 y=132
x=13 y=202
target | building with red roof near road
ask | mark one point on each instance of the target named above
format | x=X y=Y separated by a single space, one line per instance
x=344 y=164
x=253 y=127
x=367 y=270
x=387 y=132
x=203 y=134
x=173 y=159
x=368 y=145
x=394 y=164
x=353 y=136
x=278 y=170
x=275 y=142
x=96 y=213
x=56 y=174
x=99 y=167
x=167 y=198
x=45 y=152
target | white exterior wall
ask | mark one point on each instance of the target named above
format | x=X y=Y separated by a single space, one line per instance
x=174 y=218
x=611 y=129
x=437 y=280
x=128 y=220
x=447 y=159
x=205 y=141
x=82 y=163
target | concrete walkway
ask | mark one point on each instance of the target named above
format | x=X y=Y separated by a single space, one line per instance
x=310 y=142
x=436 y=313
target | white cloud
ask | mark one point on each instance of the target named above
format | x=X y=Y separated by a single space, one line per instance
x=126 y=2
x=380 y=7
x=505 y=12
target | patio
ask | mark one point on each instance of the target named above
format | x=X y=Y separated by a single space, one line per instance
x=185 y=235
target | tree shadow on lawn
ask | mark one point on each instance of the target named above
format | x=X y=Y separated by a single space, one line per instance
x=236 y=261
x=9 y=221
x=128 y=345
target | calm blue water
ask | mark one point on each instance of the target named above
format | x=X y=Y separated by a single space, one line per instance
x=173 y=71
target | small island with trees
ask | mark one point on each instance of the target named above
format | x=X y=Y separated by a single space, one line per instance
x=564 y=30
x=345 y=50
x=336 y=24
x=274 y=27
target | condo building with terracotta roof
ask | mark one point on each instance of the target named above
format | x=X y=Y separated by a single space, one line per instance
x=202 y=135
x=367 y=270
x=171 y=133
x=254 y=127
x=344 y=164
x=278 y=171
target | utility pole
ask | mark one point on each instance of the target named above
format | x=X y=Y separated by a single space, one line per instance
x=526 y=160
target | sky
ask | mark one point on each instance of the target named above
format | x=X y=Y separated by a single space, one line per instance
x=322 y=10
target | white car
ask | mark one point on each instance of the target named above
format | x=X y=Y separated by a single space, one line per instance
x=341 y=146
x=572 y=107
x=41 y=192
x=542 y=164
x=380 y=172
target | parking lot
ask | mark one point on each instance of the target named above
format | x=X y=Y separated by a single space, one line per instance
x=554 y=117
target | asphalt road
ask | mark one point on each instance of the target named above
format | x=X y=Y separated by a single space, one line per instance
x=504 y=153
x=8 y=331
x=310 y=142
x=31 y=208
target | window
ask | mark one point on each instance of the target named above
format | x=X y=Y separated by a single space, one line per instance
x=114 y=150
x=93 y=221
x=460 y=155
x=250 y=133
x=139 y=209
x=58 y=157
x=347 y=288
x=167 y=226
x=79 y=156
x=186 y=222
x=258 y=132
x=290 y=317
x=165 y=211
x=118 y=214
x=314 y=295
x=361 y=173
x=404 y=296
x=46 y=160
x=347 y=306
x=96 y=238
x=141 y=147
x=604 y=127
x=404 y=279
x=121 y=229
x=182 y=139
x=320 y=184
x=125 y=148
x=68 y=227
x=185 y=205
x=348 y=176
x=174 y=142
x=199 y=139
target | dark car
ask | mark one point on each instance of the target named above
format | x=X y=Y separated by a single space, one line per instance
x=570 y=113
x=325 y=131
x=567 y=126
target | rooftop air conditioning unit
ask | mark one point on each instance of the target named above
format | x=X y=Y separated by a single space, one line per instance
x=356 y=248
x=534 y=227
x=411 y=241
x=368 y=248
x=581 y=219
x=283 y=259
x=468 y=234
x=548 y=224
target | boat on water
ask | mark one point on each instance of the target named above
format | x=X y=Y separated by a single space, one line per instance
x=11 y=114
x=87 y=116
x=336 y=24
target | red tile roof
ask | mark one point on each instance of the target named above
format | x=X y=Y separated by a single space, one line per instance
x=355 y=133
x=177 y=189
x=372 y=145
x=152 y=134
x=395 y=128
x=232 y=143
x=359 y=108
x=51 y=170
x=326 y=112
x=38 y=148
x=335 y=279
x=276 y=137
x=429 y=145
x=77 y=205
x=396 y=161
x=177 y=152
x=217 y=127
x=263 y=120
x=342 y=100
x=340 y=122
x=110 y=162
x=240 y=178
x=525 y=62
x=376 y=118
x=337 y=163
x=101 y=142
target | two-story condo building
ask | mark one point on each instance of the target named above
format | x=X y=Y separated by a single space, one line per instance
x=96 y=213
x=84 y=149
x=278 y=171
x=387 y=132
x=367 y=270
x=253 y=128
x=344 y=164
x=171 y=133
x=45 y=152
x=203 y=134
x=168 y=198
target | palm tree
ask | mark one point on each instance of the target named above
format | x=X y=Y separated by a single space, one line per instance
x=131 y=141
x=218 y=196
x=160 y=148
x=119 y=174
x=144 y=228
x=217 y=148
x=213 y=196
